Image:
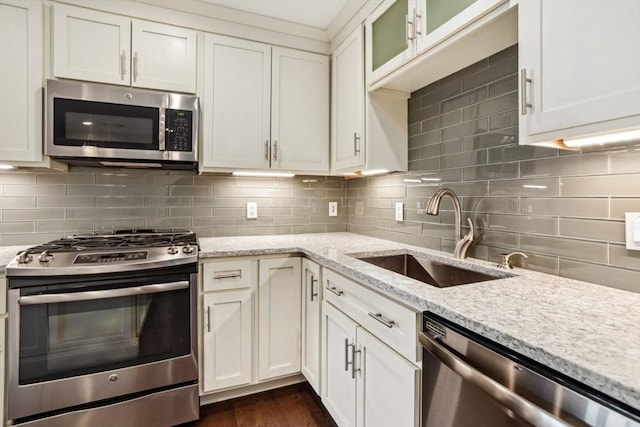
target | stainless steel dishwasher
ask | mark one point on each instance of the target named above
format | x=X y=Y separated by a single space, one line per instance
x=469 y=381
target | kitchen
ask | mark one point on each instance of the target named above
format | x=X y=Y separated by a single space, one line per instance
x=565 y=210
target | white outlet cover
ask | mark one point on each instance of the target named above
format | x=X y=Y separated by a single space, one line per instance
x=333 y=208
x=252 y=210
x=632 y=228
x=399 y=211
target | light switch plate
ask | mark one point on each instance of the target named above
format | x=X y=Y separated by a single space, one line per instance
x=252 y=210
x=399 y=211
x=632 y=227
x=333 y=208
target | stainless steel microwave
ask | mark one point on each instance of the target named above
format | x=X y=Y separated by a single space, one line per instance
x=99 y=125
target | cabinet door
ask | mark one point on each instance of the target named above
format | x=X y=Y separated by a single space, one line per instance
x=91 y=45
x=388 y=385
x=3 y=358
x=279 y=299
x=226 y=339
x=237 y=98
x=311 y=297
x=164 y=57
x=348 y=95
x=583 y=60
x=21 y=56
x=390 y=37
x=300 y=111
x=338 y=385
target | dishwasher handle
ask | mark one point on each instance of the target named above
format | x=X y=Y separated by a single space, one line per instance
x=520 y=406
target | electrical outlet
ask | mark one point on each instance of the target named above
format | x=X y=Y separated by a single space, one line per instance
x=252 y=210
x=399 y=211
x=632 y=227
x=333 y=208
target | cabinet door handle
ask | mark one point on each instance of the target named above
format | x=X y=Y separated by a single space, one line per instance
x=416 y=27
x=346 y=354
x=266 y=150
x=386 y=322
x=135 y=66
x=333 y=290
x=208 y=319
x=123 y=64
x=409 y=34
x=275 y=150
x=232 y=275
x=523 y=91
x=356 y=144
x=353 y=361
x=313 y=292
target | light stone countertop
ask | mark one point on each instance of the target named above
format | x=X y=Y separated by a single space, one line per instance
x=585 y=331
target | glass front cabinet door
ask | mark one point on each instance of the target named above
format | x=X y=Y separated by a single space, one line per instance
x=398 y=30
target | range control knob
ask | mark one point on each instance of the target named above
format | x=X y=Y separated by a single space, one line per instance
x=172 y=250
x=188 y=249
x=24 y=258
x=45 y=257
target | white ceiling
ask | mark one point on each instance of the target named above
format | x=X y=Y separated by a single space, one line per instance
x=314 y=13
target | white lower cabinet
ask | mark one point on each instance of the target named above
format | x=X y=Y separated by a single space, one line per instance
x=311 y=300
x=279 y=315
x=250 y=321
x=226 y=339
x=366 y=382
x=227 y=323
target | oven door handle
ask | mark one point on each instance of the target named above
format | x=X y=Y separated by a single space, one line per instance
x=93 y=295
x=507 y=398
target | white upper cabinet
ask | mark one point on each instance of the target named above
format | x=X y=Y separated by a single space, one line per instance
x=163 y=57
x=107 y=48
x=369 y=131
x=580 y=68
x=411 y=43
x=264 y=108
x=347 y=109
x=21 y=70
x=236 y=111
x=299 y=111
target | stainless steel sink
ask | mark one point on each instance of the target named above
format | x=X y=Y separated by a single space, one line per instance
x=430 y=271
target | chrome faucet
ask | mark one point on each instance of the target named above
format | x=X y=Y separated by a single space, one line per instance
x=462 y=242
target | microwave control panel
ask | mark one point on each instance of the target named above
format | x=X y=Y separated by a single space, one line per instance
x=179 y=130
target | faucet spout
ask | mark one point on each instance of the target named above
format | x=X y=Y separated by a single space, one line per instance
x=433 y=207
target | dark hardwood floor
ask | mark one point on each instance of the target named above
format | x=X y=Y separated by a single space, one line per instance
x=292 y=406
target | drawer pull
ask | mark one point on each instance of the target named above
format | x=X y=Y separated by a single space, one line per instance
x=385 y=322
x=334 y=290
x=227 y=275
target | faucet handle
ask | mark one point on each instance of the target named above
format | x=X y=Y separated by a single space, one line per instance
x=505 y=259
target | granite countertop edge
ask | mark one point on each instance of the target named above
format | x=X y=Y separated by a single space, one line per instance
x=564 y=324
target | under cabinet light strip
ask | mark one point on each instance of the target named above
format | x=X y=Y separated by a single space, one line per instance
x=609 y=138
x=264 y=174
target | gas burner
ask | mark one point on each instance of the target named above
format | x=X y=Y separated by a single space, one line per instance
x=118 y=239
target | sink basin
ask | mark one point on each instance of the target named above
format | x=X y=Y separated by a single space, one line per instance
x=430 y=271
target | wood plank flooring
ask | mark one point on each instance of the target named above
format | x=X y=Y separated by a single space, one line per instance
x=292 y=406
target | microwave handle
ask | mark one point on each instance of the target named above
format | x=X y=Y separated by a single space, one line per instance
x=94 y=295
x=164 y=129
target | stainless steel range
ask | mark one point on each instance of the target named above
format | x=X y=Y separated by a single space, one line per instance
x=102 y=331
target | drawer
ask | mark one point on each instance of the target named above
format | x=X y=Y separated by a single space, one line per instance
x=227 y=274
x=389 y=321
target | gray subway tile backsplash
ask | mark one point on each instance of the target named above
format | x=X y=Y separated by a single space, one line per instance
x=564 y=209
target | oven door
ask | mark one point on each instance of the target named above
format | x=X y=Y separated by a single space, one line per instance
x=76 y=343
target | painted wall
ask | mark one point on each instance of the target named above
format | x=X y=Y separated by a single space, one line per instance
x=564 y=209
x=39 y=206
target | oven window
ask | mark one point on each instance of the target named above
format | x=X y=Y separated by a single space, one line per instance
x=59 y=340
x=100 y=124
